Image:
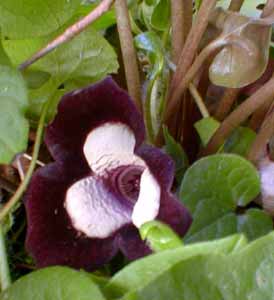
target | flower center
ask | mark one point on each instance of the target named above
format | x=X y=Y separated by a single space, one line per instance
x=128 y=182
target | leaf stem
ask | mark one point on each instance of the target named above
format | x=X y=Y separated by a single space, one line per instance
x=235 y=5
x=21 y=189
x=240 y=114
x=198 y=100
x=192 y=42
x=260 y=143
x=128 y=52
x=5 y=280
x=226 y=102
x=183 y=84
x=69 y=33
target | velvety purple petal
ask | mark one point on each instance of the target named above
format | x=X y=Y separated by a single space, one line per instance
x=173 y=213
x=160 y=165
x=131 y=244
x=51 y=239
x=82 y=110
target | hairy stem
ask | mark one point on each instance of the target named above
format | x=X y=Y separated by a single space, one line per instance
x=240 y=114
x=259 y=145
x=69 y=33
x=235 y=5
x=226 y=102
x=128 y=52
x=5 y=280
x=22 y=187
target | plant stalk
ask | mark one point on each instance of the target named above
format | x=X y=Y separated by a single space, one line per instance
x=239 y=115
x=22 y=187
x=5 y=279
x=128 y=52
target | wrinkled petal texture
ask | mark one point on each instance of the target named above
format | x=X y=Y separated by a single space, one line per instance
x=52 y=237
x=82 y=110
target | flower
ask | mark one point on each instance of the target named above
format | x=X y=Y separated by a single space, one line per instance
x=104 y=184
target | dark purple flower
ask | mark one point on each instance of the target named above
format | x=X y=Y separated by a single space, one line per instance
x=87 y=205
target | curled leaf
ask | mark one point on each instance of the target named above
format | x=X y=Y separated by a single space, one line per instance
x=244 y=58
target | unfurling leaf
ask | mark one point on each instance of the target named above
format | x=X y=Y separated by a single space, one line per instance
x=245 y=56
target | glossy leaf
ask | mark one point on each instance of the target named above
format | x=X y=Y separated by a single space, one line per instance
x=13 y=125
x=145 y=272
x=32 y=18
x=244 y=58
x=245 y=274
x=58 y=283
x=159 y=236
x=212 y=189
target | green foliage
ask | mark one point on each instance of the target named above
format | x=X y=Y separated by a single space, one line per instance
x=177 y=153
x=56 y=283
x=213 y=188
x=206 y=127
x=145 y=272
x=159 y=236
x=13 y=124
x=240 y=141
x=32 y=18
x=244 y=274
x=85 y=59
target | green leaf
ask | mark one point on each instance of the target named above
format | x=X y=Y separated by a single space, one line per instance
x=177 y=153
x=32 y=18
x=245 y=274
x=150 y=42
x=160 y=17
x=4 y=60
x=212 y=189
x=85 y=59
x=240 y=141
x=254 y=223
x=54 y=283
x=143 y=272
x=13 y=125
x=206 y=127
x=159 y=236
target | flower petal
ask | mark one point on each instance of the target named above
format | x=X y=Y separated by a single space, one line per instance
x=160 y=165
x=51 y=238
x=148 y=203
x=173 y=213
x=110 y=146
x=94 y=210
x=83 y=110
x=131 y=244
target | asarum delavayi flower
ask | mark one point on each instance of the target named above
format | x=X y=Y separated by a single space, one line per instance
x=104 y=184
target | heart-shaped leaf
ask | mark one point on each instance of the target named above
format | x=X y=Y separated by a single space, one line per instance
x=213 y=188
